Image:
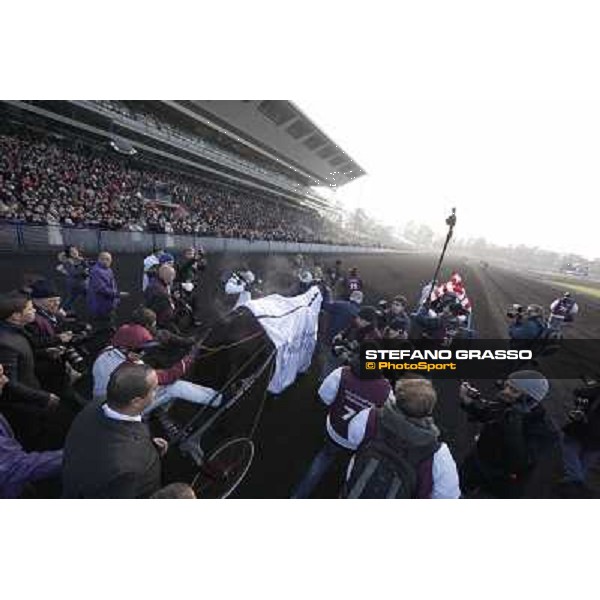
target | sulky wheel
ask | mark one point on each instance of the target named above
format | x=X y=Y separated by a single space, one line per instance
x=224 y=469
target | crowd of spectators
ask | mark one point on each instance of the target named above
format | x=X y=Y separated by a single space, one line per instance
x=218 y=145
x=47 y=180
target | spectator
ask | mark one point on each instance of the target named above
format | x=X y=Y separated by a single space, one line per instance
x=103 y=295
x=404 y=438
x=17 y=467
x=109 y=452
x=158 y=297
x=77 y=272
x=24 y=400
x=151 y=261
x=46 y=181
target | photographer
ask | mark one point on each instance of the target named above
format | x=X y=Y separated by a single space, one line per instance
x=443 y=325
x=346 y=344
x=394 y=312
x=526 y=323
x=580 y=439
x=515 y=438
x=56 y=342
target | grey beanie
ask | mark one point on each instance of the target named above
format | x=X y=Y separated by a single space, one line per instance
x=532 y=383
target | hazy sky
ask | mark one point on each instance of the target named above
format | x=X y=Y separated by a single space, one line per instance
x=502 y=122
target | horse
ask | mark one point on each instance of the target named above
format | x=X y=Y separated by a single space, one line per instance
x=236 y=359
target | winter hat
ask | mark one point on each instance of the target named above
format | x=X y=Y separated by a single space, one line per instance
x=44 y=289
x=531 y=383
x=166 y=258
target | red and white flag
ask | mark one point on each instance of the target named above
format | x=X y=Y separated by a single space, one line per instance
x=453 y=286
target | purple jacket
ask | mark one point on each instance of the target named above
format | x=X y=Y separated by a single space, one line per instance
x=103 y=295
x=18 y=467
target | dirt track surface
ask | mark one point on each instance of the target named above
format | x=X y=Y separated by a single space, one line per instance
x=291 y=427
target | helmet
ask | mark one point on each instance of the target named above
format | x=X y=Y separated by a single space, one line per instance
x=567 y=295
x=248 y=276
x=318 y=273
x=305 y=276
x=133 y=337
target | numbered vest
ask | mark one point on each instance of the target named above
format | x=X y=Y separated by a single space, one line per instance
x=354 y=395
x=354 y=284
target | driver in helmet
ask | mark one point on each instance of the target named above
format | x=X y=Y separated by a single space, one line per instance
x=239 y=284
x=129 y=344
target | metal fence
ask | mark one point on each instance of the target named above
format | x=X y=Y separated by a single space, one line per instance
x=22 y=237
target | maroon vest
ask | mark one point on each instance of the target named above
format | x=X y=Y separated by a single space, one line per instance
x=354 y=395
x=354 y=284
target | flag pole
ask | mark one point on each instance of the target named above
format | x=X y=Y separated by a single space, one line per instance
x=451 y=222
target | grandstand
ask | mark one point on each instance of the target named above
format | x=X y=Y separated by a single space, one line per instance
x=266 y=147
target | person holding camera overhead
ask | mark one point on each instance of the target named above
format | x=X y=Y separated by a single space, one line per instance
x=515 y=438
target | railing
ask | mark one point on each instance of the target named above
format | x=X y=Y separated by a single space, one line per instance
x=22 y=237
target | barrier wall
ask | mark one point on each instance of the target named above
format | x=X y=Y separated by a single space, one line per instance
x=22 y=237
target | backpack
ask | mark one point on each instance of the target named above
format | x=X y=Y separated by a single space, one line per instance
x=386 y=466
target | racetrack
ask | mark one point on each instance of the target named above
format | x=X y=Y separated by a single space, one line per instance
x=291 y=428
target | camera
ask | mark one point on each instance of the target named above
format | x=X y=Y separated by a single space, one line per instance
x=74 y=354
x=74 y=359
x=584 y=396
x=472 y=392
x=344 y=349
x=515 y=311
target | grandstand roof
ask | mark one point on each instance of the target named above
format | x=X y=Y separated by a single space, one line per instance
x=279 y=130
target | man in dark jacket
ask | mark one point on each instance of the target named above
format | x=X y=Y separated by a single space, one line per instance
x=109 y=452
x=157 y=298
x=24 y=401
x=17 y=467
x=580 y=441
x=341 y=314
x=76 y=269
x=515 y=438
